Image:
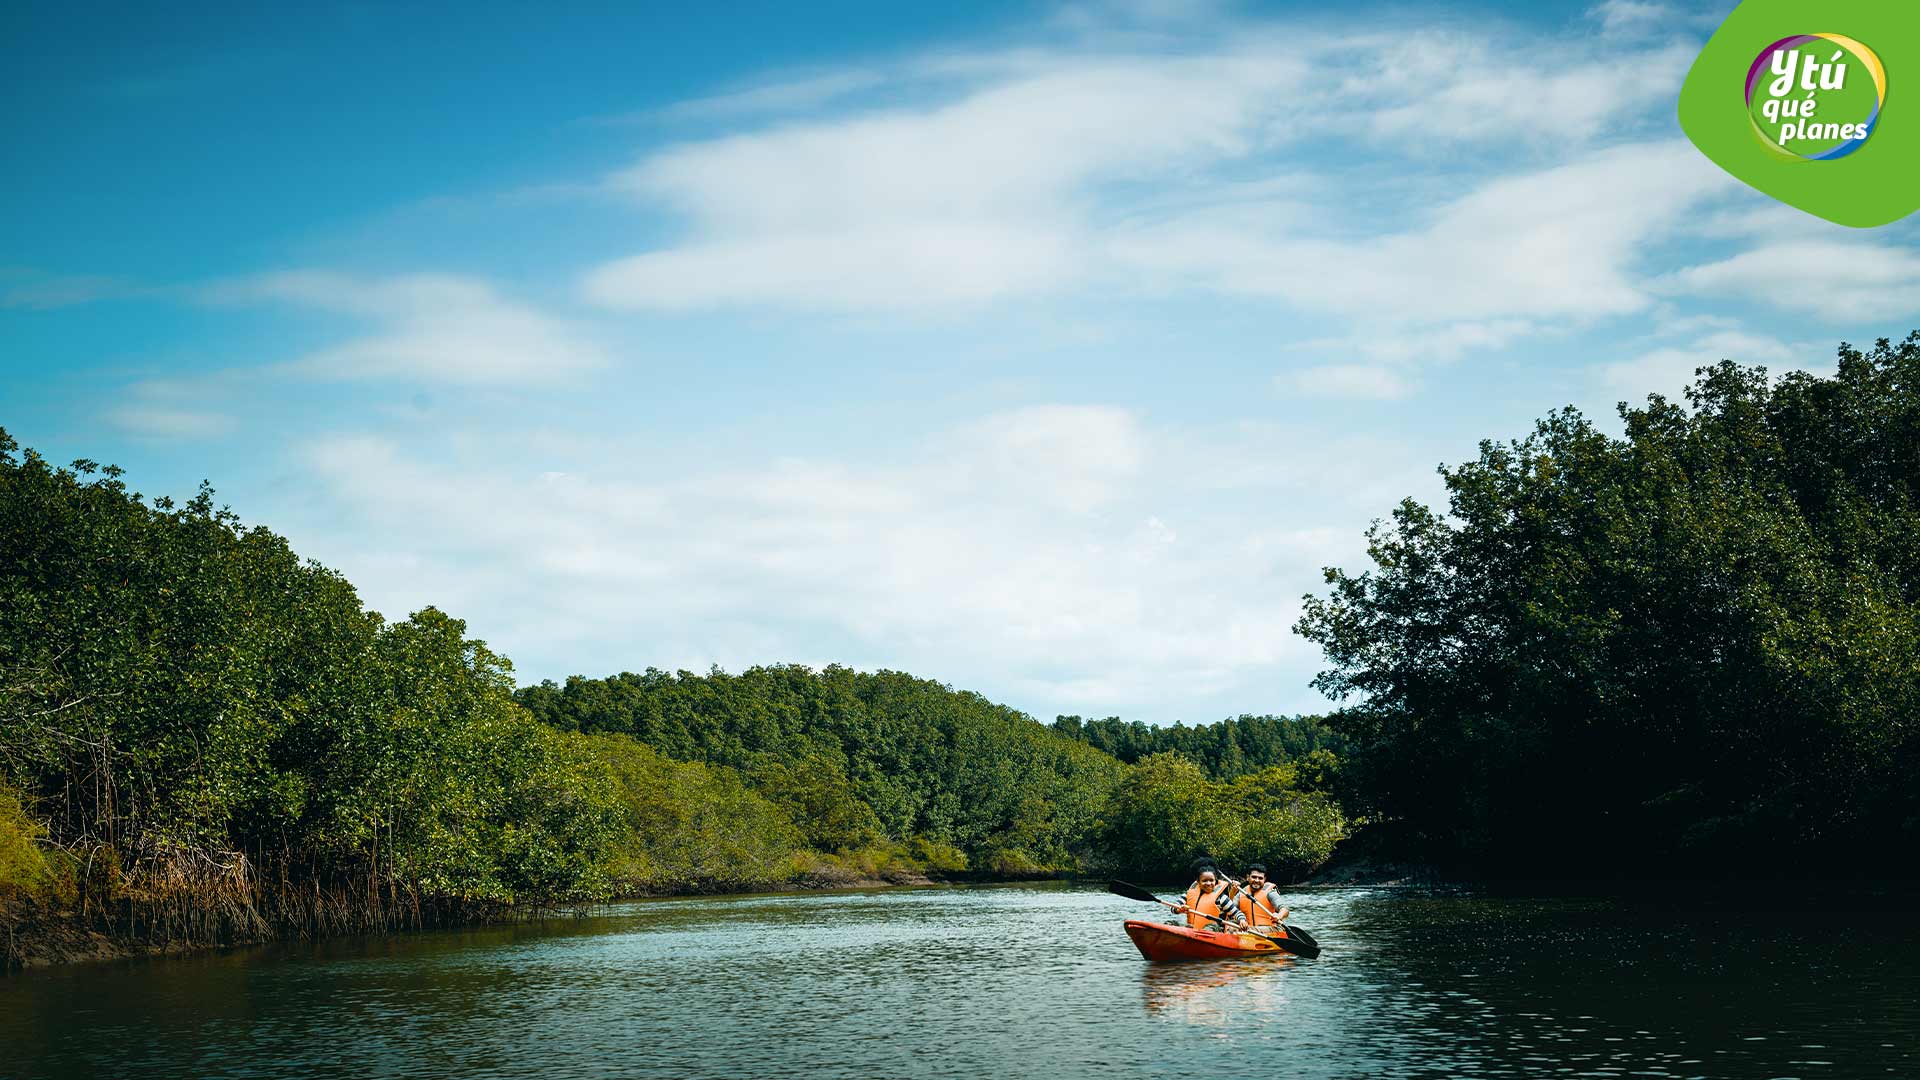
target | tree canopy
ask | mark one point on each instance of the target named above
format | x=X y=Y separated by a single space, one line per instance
x=1692 y=646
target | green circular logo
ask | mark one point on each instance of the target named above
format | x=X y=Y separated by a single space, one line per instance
x=1815 y=97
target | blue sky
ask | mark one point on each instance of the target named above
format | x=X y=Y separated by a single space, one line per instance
x=1049 y=351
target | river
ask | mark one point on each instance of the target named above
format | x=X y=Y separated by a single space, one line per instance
x=1013 y=981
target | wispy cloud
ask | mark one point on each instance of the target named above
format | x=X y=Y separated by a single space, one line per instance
x=1562 y=241
x=174 y=409
x=1445 y=88
x=794 y=93
x=1669 y=369
x=169 y=423
x=1078 y=173
x=429 y=327
x=1052 y=546
x=1836 y=280
x=1631 y=16
x=1395 y=342
x=967 y=202
x=1365 y=381
x=26 y=288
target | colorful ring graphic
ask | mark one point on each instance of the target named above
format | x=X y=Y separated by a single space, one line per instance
x=1860 y=52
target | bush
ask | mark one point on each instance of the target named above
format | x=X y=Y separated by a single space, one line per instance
x=1166 y=813
x=935 y=857
x=24 y=873
x=1160 y=816
x=690 y=827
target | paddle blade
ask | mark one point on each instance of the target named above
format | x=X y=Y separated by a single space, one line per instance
x=1298 y=942
x=1132 y=892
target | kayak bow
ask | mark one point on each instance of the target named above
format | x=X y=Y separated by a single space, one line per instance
x=1158 y=941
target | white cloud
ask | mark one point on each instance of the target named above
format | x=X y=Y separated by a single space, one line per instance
x=1053 y=550
x=1075 y=456
x=903 y=266
x=1631 y=16
x=433 y=327
x=1073 y=170
x=960 y=204
x=1562 y=241
x=1835 y=280
x=1021 y=145
x=162 y=422
x=792 y=94
x=176 y=409
x=1668 y=370
x=1475 y=91
x=1346 y=381
x=1402 y=344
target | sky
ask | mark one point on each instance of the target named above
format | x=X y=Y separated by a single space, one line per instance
x=1049 y=351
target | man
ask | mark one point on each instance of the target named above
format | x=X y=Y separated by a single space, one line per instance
x=1203 y=902
x=1256 y=904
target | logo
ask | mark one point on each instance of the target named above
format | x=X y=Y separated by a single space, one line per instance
x=1822 y=122
x=1815 y=97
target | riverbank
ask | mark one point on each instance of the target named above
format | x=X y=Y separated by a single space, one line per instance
x=58 y=940
x=51 y=944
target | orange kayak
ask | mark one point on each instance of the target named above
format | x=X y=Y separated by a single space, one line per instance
x=1158 y=941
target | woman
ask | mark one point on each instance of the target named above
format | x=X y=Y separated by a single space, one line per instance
x=1202 y=903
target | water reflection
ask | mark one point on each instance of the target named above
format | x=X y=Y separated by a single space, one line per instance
x=1216 y=993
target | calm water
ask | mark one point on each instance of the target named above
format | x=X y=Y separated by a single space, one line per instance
x=1011 y=982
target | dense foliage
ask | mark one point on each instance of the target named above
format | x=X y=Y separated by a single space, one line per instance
x=864 y=757
x=689 y=827
x=1166 y=812
x=215 y=738
x=1695 y=646
x=1225 y=749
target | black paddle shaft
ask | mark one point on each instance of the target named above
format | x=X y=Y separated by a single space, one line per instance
x=1132 y=892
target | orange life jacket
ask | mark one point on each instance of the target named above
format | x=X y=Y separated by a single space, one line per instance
x=1254 y=915
x=1204 y=908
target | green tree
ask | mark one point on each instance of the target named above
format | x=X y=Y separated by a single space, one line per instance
x=1697 y=640
x=1164 y=814
x=690 y=827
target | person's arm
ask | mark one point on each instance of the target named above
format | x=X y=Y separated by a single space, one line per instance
x=1227 y=901
x=1272 y=900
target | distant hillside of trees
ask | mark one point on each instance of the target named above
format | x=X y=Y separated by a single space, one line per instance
x=1225 y=749
x=859 y=757
x=872 y=763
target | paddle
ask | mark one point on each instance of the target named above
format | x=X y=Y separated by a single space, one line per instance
x=1293 y=932
x=1135 y=892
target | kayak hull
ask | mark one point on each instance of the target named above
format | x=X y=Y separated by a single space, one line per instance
x=1158 y=941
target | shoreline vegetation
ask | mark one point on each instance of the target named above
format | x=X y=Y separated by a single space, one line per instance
x=1691 y=650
